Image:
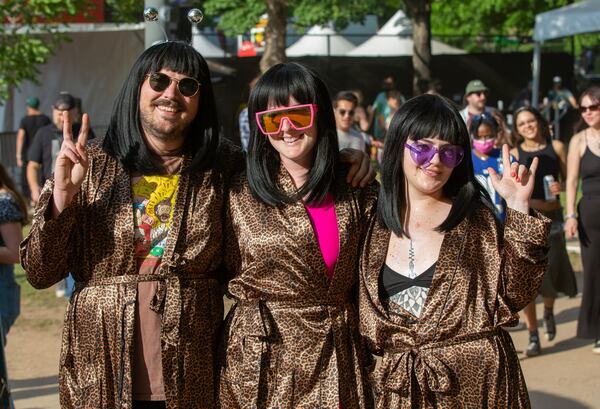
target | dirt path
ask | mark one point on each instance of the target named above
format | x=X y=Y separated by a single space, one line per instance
x=33 y=349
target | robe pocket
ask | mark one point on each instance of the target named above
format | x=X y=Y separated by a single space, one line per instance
x=250 y=375
x=79 y=355
x=81 y=383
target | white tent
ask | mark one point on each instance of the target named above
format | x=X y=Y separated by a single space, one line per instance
x=204 y=46
x=577 y=18
x=92 y=67
x=394 y=39
x=320 y=40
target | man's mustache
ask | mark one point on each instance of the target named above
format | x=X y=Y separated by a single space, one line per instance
x=167 y=103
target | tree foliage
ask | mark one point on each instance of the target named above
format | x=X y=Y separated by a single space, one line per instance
x=488 y=17
x=29 y=35
x=238 y=16
x=122 y=11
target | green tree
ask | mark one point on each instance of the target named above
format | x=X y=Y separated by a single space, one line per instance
x=419 y=12
x=28 y=37
x=493 y=18
x=238 y=16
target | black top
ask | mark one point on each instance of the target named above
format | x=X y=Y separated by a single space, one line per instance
x=548 y=165
x=46 y=145
x=392 y=283
x=590 y=173
x=30 y=124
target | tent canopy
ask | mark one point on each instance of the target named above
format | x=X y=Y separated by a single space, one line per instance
x=577 y=18
x=394 y=39
x=320 y=40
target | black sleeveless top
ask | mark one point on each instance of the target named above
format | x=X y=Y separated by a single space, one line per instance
x=589 y=168
x=548 y=165
x=391 y=283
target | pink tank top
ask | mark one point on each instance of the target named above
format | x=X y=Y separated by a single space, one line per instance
x=324 y=222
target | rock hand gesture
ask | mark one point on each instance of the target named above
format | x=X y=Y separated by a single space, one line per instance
x=71 y=164
x=515 y=186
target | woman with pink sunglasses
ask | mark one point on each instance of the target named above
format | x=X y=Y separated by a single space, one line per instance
x=294 y=229
x=439 y=275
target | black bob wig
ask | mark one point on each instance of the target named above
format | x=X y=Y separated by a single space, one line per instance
x=427 y=116
x=276 y=86
x=124 y=138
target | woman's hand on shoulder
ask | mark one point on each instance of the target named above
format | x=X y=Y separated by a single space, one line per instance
x=361 y=171
x=515 y=185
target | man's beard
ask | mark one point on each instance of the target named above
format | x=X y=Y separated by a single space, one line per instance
x=163 y=133
x=172 y=130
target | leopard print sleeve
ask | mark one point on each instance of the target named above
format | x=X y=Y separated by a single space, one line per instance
x=524 y=257
x=45 y=252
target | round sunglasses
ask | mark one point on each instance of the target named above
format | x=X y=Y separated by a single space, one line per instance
x=188 y=87
x=422 y=154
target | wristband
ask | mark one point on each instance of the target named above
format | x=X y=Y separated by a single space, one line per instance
x=571 y=216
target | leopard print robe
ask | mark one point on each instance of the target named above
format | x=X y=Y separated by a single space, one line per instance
x=456 y=355
x=291 y=340
x=94 y=239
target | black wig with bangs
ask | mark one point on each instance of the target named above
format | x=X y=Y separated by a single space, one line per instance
x=124 y=139
x=275 y=87
x=427 y=116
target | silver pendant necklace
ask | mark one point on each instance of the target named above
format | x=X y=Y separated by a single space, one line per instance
x=411 y=260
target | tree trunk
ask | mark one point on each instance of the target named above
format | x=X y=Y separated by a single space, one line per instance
x=420 y=16
x=274 y=34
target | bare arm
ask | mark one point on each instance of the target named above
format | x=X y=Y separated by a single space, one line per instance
x=33 y=170
x=572 y=101
x=12 y=236
x=573 y=161
x=20 y=141
x=363 y=119
x=561 y=151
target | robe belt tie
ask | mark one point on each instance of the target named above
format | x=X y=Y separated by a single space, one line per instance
x=167 y=296
x=253 y=321
x=430 y=372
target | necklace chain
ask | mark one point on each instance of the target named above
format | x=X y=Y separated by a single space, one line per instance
x=411 y=260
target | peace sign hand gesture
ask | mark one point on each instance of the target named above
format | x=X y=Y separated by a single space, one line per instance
x=71 y=164
x=515 y=186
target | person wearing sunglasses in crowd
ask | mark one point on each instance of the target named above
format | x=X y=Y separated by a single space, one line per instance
x=439 y=275
x=291 y=339
x=584 y=161
x=484 y=136
x=137 y=218
x=348 y=133
x=533 y=134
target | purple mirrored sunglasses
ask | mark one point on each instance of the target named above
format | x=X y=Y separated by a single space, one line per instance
x=422 y=153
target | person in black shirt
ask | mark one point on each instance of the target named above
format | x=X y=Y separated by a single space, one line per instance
x=28 y=127
x=534 y=138
x=46 y=145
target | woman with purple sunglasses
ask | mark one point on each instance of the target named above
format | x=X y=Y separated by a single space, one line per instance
x=294 y=229
x=439 y=275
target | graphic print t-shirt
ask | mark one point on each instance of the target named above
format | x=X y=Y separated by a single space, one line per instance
x=153 y=203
